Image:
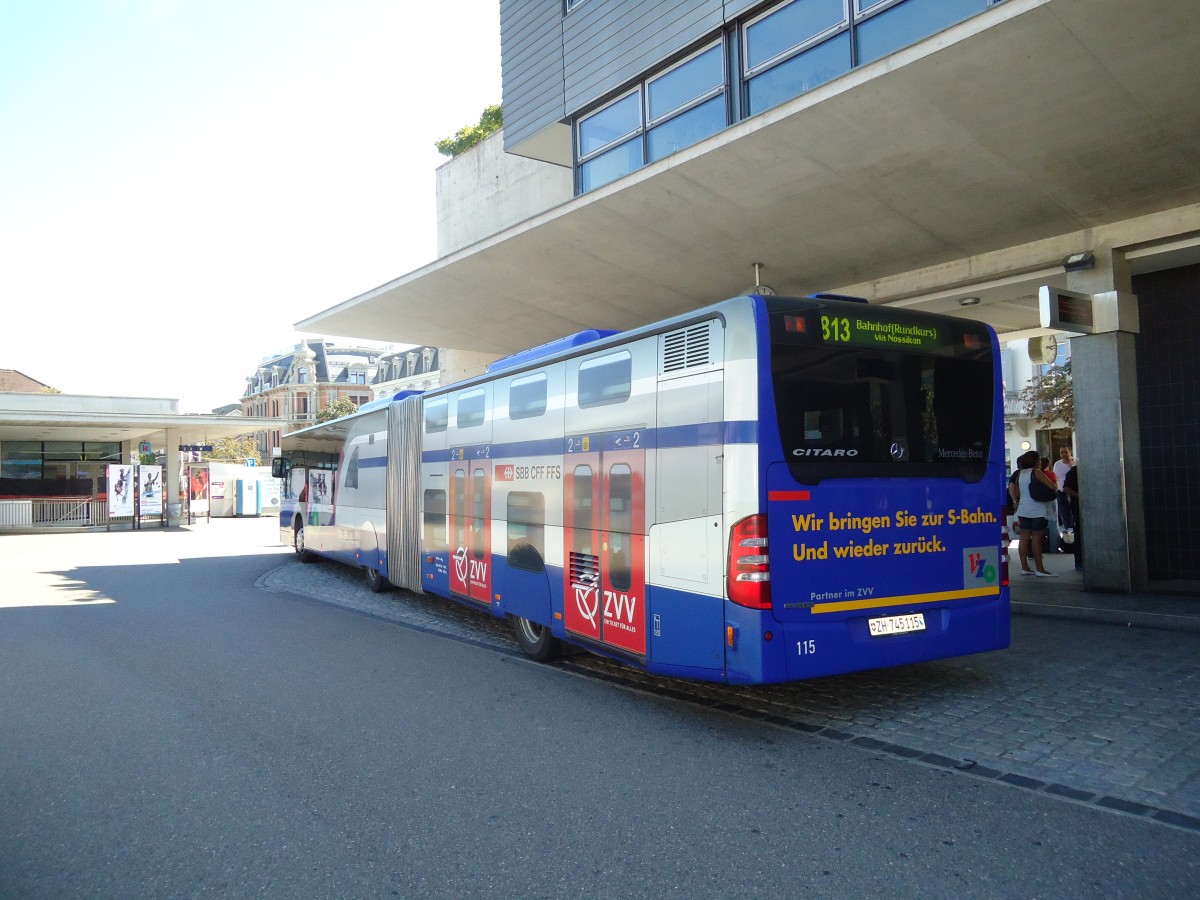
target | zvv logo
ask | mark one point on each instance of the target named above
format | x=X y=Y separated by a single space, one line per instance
x=587 y=601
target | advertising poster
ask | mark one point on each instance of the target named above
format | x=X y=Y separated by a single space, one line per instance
x=197 y=490
x=120 y=491
x=150 y=479
x=320 y=499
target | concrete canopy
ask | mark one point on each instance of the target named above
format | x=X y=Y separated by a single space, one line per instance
x=66 y=417
x=1034 y=119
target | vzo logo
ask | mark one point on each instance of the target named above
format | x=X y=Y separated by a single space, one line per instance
x=981 y=568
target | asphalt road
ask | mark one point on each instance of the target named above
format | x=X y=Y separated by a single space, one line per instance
x=170 y=729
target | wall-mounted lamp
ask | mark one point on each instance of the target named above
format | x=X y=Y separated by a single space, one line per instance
x=1025 y=445
x=969 y=301
x=1079 y=262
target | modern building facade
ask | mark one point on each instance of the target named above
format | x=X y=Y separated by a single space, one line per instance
x=59 y=446
x=950 y=155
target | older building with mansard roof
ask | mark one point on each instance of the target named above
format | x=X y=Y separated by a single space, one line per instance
x=295 y=386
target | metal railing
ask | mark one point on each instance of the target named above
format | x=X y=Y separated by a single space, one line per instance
x=66 y=512
x=69 y=511
x=1016 y=408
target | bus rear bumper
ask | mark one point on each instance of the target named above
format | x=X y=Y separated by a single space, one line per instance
x=767 y=651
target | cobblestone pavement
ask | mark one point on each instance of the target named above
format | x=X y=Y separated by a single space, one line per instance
x=1088 y=712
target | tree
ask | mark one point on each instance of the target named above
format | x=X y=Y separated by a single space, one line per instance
x=342 y=406
x=1051 y=397
x=468 y=136
x=235 y=449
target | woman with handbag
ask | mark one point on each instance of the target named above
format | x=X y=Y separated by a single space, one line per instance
x=1032 y=493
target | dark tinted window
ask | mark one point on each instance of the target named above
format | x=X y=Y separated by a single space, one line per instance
x=847 y=410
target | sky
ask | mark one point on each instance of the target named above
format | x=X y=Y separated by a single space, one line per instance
x=182 y=180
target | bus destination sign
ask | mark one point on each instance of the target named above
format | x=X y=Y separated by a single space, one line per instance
x=866 y=331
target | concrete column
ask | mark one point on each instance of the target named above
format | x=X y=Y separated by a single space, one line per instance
x=1108 y=441
x=171 y=477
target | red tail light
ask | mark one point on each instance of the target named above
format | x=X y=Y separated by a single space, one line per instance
x=749 y=581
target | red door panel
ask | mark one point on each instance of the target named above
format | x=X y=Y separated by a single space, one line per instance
x=581 y=598
x=605 y=524
x=470 y=530
x=622 y=556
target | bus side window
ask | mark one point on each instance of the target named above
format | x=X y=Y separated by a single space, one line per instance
x=435 y=520
x=620 y=524
x=437 y=415
x=605 y=380
x=527 y=396
x=351 y=479
x=582 y=512
x=478 y=511
x=526 y=530
x=458 y=494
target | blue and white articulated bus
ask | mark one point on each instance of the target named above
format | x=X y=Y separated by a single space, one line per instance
x=764 y=490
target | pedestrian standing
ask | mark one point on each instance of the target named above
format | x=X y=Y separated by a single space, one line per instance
x=1032 y=513
x=1070 y=486
x=1062 y=466
x=1052 y=529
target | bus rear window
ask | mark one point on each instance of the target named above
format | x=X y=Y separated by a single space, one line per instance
x=856 y=412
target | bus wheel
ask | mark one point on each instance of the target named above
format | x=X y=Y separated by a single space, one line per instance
x=302 y=554
x=536 y=640
x=376 y=582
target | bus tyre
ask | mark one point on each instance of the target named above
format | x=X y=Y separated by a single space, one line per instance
x=376 y=582
x=302 y=554
x=535 y=640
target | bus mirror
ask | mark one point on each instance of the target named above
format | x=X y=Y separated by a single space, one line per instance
x=279 y=467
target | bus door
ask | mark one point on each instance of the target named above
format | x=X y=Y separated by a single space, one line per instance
x=470 y=529
x=604 y=518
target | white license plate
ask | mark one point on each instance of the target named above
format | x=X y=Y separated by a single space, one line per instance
x=896 y=624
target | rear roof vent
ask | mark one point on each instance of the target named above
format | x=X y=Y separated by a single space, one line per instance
x=687 y=348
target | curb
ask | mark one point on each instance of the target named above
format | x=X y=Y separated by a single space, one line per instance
x=1128 y=618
